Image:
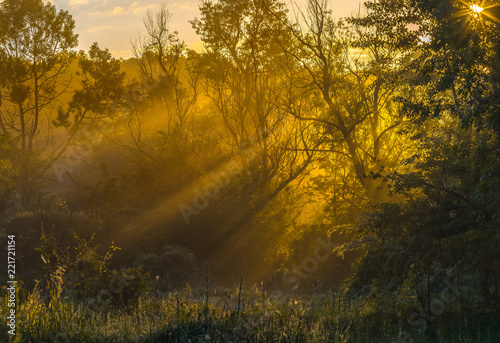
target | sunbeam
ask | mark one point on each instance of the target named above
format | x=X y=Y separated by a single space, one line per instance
x=479 y=11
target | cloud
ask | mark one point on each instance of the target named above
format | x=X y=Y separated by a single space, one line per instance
x=133 y=8
x=118 y=10
x=77 y=2
x=185 y=5
x=98 y=28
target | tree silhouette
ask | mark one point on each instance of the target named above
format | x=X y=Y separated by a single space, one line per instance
x=35 y=57
x=352 y=91
x=35 y=43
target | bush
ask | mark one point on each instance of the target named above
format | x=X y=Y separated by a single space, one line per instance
x=171 y=268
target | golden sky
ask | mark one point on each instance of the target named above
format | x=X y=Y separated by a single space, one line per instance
x=115 y=23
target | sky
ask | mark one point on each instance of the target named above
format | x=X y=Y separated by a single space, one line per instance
x=115 y=23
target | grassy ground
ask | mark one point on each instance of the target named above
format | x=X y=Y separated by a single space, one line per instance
x=229 y=316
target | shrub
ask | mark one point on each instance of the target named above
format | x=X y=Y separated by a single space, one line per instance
x=171 y=268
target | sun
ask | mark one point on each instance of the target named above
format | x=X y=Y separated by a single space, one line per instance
x=480 y=11
x=473 y=10
x=477 y=14
x=476 y=9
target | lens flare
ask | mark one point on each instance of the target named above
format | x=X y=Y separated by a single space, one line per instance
x=476 y=9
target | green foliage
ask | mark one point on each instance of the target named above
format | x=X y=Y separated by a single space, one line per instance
x=443 y=221
x=171 y=267
x=8 y=172
x=446 y=229
x=305 y=123
x=35 y=43
x=35 y=57
x=33 y=32
x=80 y=270
x=456 y=68
x=387 y=27
x=101 y=90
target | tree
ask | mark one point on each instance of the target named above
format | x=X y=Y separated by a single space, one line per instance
x=460 y=59
x=92 y=108
x=354 y=94
x=8 y=174
x=35 y=57
x=444 y=232
x=35 y=43
x=166 y=70
x=101 y=93
x=446 y=227
x=246 y=78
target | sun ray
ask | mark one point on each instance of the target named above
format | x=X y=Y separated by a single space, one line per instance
x=478 y=11
x=491 y=16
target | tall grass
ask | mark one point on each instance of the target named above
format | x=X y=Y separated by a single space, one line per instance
x=230 y=315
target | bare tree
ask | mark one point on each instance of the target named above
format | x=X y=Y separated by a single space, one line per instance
x=356 y=110
x=166 y=69
x=245 y=77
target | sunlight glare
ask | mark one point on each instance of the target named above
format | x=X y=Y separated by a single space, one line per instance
x=476 y=9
